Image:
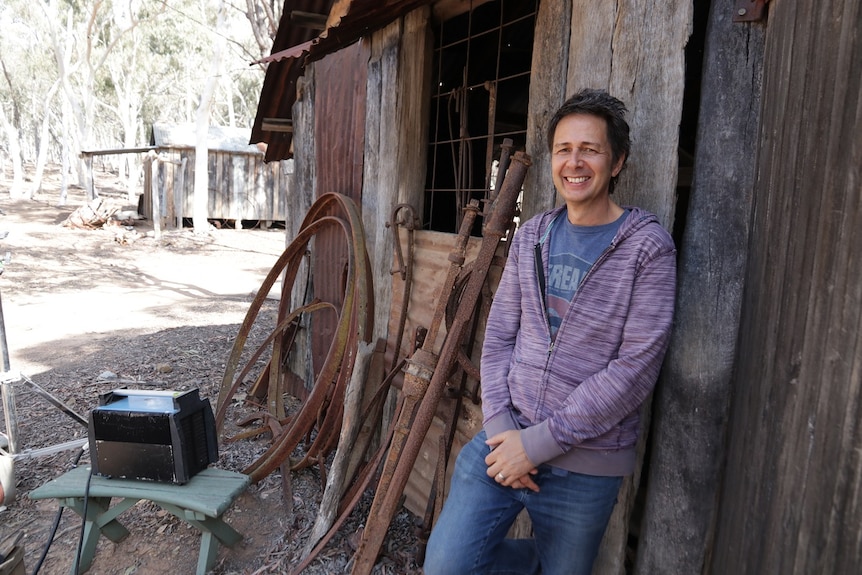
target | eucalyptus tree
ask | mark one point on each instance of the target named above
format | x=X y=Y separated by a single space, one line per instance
x=96 y=74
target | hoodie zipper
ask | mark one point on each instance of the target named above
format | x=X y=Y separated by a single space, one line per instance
x=618 y=238
x=540 y=275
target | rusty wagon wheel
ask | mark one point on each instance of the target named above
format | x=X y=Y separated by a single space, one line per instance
x=322 y=408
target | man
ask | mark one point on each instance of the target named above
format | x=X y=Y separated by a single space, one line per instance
x=576 y=336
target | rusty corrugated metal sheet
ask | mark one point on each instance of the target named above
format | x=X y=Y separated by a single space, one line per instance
x=339 y=146
x=279 y=85
x=348 y=21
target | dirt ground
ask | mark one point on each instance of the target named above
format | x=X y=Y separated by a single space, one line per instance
x=87 y=311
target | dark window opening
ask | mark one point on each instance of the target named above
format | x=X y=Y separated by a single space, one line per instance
x=694 y=54
x=480 y=93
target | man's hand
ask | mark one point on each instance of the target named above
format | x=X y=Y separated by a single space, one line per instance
x=508 y=463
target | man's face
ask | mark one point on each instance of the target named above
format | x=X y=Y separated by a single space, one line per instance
x=581 y=162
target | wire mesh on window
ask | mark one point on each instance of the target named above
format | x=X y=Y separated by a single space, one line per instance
x=480 y=93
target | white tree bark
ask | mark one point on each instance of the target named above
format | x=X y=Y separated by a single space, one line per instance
x=201 y=187
x=44 y=135
x=14 y=148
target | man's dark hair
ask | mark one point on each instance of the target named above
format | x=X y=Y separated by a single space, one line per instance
x=598 y=103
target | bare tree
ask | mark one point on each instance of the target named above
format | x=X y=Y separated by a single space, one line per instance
x=201 y=187
x=12 y=136
x=263 y=17
x=112 y=69
x=43 y=142
x=14 y=151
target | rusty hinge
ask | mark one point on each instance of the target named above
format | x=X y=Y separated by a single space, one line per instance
x=745 y=11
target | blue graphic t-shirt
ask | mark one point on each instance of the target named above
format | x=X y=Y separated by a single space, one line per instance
x=573 y=250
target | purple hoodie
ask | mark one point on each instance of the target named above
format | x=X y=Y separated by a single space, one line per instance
x=578 y=399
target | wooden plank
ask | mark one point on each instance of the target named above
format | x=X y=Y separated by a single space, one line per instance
x=756 y=482
x=395 y=143
x=830 y=546
x=147 y=203
x=380 y=176
x=431 y=265
x=176 y=215
x=414 y=77
x=687 y=455
x=547 y=93
x=794 y=474
x=595 y=25
x=297 y=205
x=798 y=405
x=648 y=74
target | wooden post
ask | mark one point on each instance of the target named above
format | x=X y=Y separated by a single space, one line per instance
x=88 y=178
x=547 y=93
x=692 y=401
x=178 y=193
x=154 y=190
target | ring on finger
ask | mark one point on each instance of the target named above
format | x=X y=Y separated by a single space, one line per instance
x=501 y=477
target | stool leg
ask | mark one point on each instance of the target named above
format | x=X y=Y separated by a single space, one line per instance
x=226 y=534
x=87 y=551
x=98 y=521
x=213 y=531
x=208 y=553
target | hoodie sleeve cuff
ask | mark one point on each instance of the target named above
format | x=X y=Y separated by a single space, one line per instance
x=501 y=422
x=538 y=443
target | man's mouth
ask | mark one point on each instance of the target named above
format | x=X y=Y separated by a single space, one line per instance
x=578 y=180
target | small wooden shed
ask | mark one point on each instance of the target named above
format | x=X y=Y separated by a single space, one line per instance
x=241 y=185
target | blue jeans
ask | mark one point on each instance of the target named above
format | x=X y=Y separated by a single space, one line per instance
x=569 y=517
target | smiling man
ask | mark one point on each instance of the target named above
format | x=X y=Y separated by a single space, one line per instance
x=574 y=342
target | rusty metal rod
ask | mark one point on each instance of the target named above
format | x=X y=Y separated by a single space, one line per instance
x=386 y=501
x=409 y=221
x=421 y=365
x=456 y=262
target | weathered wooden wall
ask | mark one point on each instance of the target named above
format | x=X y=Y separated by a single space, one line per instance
x=396 y=135
x=791 y=501
x=391 y=165
x=692 y=401
x=634 y=48
x=241 y=187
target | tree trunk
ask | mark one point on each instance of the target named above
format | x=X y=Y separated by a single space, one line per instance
x=17 y=189
x=201 y=187
x=44 y=141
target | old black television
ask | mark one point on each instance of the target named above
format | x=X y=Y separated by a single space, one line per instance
x=152 y=435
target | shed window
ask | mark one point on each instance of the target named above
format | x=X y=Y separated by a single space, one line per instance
x=480 y=92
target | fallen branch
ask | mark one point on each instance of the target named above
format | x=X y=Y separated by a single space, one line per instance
x=91 y=216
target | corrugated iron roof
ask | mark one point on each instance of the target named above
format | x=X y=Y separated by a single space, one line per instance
x=294 y=46
x=220 y=138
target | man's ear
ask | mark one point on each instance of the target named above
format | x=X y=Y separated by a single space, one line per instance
x=618 y=166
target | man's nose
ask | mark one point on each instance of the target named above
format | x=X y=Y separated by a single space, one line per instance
x=576 y=158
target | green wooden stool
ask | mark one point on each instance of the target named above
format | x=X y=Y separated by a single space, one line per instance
x=200 y=503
